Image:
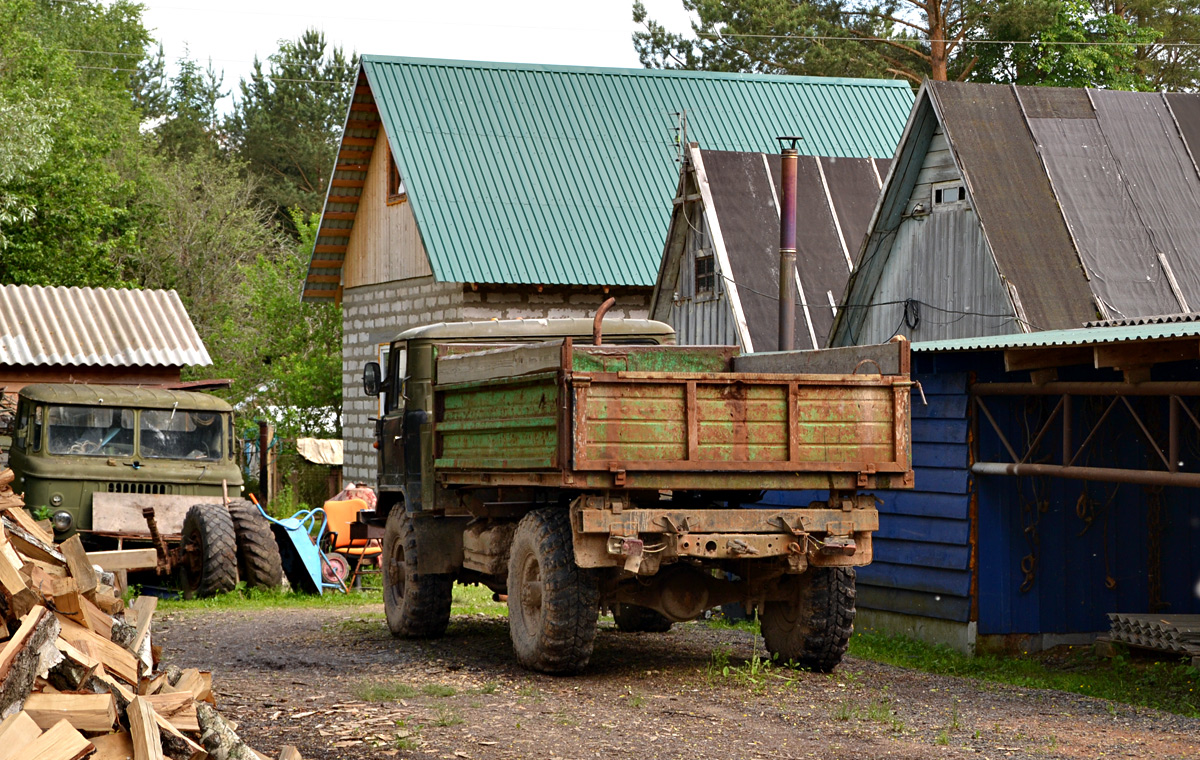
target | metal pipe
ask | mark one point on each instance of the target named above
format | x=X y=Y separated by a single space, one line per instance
x=1178 y=388
x=789 y=158
x=1099 y=474
x=604 y=307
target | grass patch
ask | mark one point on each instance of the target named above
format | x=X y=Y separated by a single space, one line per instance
x=438 y=690
x=476 y=600
x=1169 y=686
x=447 y=717
x=373 y=691
x=242 y=598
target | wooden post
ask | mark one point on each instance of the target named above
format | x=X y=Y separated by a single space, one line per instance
x=266 y=432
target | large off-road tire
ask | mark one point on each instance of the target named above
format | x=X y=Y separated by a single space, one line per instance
x=259 y=563
x=209 y=551
x=631 y=618
x=417 y=606
x=553 y=604
x=813 y=627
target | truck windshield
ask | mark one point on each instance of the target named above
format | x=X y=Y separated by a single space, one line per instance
x=177 y=434
x=95 y=431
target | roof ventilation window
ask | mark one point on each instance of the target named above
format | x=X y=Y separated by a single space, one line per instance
x=396 y=192
x=706 y=276
x=949 y=194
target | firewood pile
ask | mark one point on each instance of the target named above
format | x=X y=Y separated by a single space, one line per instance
x=79 y=674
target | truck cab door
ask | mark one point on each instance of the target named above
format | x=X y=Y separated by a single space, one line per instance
x=389 y=431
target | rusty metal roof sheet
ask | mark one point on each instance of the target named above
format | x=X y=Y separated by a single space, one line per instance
x=96 y=327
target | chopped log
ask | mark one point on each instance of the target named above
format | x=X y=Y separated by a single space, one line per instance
x=79 y=564
x=219 y=738
x=47 y=568
x=86 y=712
x=16 y=732
x=98 y=621
x=179 y=709
x=29 y=653
x=115 y=746
x=29 y=525
x=151 y=686
x=143 y=728
x=105 y=598
x=31 y=544
x=144 y=607
x=288 y=752
x=196 y=682
x=7 y=476
x=115 y=658
x=60 y=742
x=76 y=668
x=19 y=597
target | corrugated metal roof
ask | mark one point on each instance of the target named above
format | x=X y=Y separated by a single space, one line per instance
x=1082 y=336
x=96 y=327
x=564 y=175
x=1157 y=319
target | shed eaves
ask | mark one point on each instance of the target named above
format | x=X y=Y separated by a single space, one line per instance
x=1082 y=336
x=96 y=327
x=563 y=175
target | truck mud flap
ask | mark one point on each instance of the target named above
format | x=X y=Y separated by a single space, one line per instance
x=441 y=543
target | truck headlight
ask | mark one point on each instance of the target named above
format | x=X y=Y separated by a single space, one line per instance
x=61 y=520
x=56 y=500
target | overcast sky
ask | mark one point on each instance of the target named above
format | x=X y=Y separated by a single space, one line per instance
x=580 y=32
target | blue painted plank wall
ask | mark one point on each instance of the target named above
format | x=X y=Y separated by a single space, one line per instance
x=922 y=552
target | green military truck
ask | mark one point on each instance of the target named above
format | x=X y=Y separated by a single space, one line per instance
x=576 y=477
x=102 y=459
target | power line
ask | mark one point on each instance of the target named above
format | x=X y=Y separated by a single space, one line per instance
x=964 y=41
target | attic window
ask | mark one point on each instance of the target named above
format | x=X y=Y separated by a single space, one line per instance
x=706 y=276
x=396 y=192
x=947 y=193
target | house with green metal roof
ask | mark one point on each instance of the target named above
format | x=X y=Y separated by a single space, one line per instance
x=471 y=190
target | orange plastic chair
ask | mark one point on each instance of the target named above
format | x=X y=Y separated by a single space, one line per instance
x=341 y=515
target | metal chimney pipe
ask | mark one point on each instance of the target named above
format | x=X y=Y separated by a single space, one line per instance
x=789 y=158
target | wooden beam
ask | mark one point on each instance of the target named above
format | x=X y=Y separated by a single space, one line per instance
x=1145 y=353
x=351 y=167
x=354 y=155
x=362 y=90
x=125 y=559
x=1020 y=359
x=363 y=124
x=364 y=107
x=334 y=232
x=355 y=183
x=323 y=278
x=345 y=199
x=360 y=141
x=345 y=216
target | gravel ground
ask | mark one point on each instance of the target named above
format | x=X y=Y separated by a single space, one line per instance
x=298 y=677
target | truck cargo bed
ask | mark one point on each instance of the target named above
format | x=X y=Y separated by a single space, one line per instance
x=664 y=417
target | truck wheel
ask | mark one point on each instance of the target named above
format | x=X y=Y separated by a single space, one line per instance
x=209 y=551
x=417 y=606
x=259 y=564
x=553 y=604
x=631 y=618
x=812 y=628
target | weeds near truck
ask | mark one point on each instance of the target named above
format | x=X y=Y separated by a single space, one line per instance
x=408 y=737
x=476 y=600
x=242 y=598
x=438 y=690
x=1169 y=686
x=447 y=717
x=370 y=691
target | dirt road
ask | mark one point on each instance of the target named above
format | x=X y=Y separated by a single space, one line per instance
x=301 y=677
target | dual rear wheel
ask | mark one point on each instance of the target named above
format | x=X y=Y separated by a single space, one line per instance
x=221 y=546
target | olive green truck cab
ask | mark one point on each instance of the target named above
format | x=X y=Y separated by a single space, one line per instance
x=576 y=477
x=95 y=458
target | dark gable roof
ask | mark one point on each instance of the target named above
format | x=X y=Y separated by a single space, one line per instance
x=834 y=199
x=1089 y=199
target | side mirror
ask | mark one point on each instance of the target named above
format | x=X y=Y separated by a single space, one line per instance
x=372 y=378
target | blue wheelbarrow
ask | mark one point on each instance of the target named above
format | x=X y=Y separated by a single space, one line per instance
x=307 y=567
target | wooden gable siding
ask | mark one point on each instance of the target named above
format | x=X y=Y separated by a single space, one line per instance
x=923 y=547
x=705 y=319
x=940 y=259
x=385 y=244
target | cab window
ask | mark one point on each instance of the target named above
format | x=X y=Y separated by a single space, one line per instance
x=22 y=424
x=397 y=361
x=176 y=434
x=89 y=431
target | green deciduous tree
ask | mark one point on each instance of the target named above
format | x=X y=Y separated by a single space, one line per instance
x=288 y=120
x=284 y=356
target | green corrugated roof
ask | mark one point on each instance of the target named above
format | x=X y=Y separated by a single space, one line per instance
x=1082 y=336
x=520 y=173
